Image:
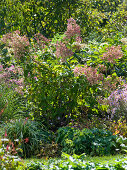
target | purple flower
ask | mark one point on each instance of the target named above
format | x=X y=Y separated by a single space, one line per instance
x=117 y=102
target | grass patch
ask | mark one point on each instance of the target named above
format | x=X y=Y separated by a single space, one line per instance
x=111 y=159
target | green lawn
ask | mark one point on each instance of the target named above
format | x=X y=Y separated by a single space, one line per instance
x=107 y=159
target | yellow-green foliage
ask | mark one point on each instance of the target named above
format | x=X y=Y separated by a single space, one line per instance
x=49 y=17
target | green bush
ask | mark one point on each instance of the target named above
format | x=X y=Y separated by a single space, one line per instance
x=50 y=17
x=29 y=133
x=54 y=93
x=53 y=96
x=91 y=142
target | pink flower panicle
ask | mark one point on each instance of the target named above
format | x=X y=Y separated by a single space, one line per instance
x=112 y=54
x=62 y=51
x=91 y=74
x=13 y=77
x=73 y=30
x=7 y=38
x=12 y=74
x=19 y=43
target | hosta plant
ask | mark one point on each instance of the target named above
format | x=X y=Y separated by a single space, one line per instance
x=89 y=141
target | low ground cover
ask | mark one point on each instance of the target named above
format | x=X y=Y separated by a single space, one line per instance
x=111 y=159
x=76 y=162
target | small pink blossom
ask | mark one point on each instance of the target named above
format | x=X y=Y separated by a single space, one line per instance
x=26 y=140
x=35 y=78
x=27 y=118
x=35 y=56
x=1 y=68
x=5 y=133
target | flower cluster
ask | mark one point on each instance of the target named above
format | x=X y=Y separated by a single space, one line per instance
x=72 y=33
x=91 y=74
x=117 y=102
x=7 y=38
x=19 y=43
x=73 y=30
x=13 y=77
x=62 y=51
x=112 y=54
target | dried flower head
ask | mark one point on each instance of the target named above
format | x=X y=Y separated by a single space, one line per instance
x=91 y=74
x=73 y=30
x=113 y=53
x=62 y=51
x=20 y=44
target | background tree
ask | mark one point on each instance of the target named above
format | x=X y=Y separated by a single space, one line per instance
x=49 y=17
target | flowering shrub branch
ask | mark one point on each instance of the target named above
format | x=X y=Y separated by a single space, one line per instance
x=91 y=74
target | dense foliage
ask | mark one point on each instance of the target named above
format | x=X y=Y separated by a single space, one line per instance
x=29 y=133
x=63 y=77
x=93 y=142
x=49 y=17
